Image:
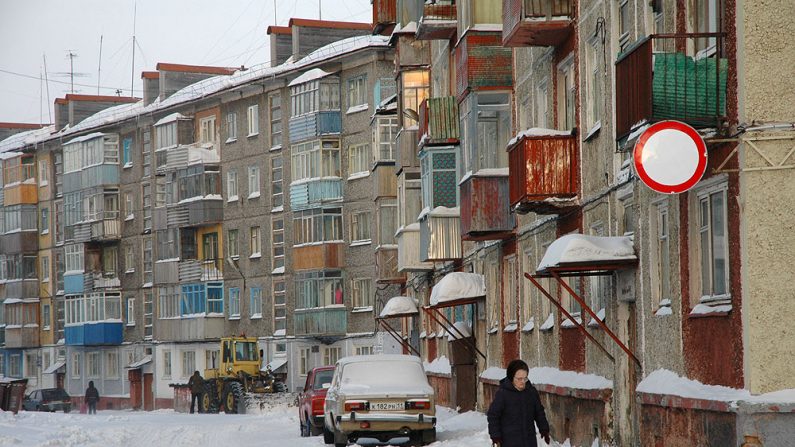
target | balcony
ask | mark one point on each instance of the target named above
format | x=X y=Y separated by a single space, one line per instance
x=94 y=333
x=21 y=194
x=19 y=181
x=100 y=280
x=92 y=176
x=315 y=124
x=485 y=206
x=537 y=23
x=20 y=289
x=544 y=171
x=25 y=336
x=439 y=21
x=440 y=234
x=438 y=121
x=482 y=63
x=321 y=321
x=328 y=255
x=386 y=266
x=107 y=229
x=19 y=242
x=407 y=149
x=197 y=327
x=664 y=77
x=74 y=283
x=384 y=180
x=312 y=192
x=167 y=271
x=94 y=319
x=384 y=12
x=196 y=270
x=408 y=239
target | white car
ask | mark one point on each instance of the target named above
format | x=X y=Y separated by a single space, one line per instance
x=381 y=397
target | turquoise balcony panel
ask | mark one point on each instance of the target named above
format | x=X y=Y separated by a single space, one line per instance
x=309 y=193
x=315 y=124
x=321 y=321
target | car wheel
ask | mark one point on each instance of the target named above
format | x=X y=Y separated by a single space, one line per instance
x=328 y=437
x=340 y=439
x=304 y=428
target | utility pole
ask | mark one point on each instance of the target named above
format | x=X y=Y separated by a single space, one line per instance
x=99 y=67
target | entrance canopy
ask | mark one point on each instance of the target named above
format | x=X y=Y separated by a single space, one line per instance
x=458 y=288
x=55 y=367
x=275 y=364
x=140 y=363
x=398 y=307
x=581 y=255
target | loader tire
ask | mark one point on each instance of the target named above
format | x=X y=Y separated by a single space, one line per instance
x=208 y=402
x=233 y=398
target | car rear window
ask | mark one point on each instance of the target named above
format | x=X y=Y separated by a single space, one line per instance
x=322 y=377
x=377 y=373
x=54 y=394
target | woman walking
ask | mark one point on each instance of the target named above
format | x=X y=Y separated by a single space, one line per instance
x=516 y=409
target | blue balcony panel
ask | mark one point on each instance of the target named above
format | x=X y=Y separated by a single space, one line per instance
x=307 y=194
x=74 y=284
x=315 y=124
x=94 y=334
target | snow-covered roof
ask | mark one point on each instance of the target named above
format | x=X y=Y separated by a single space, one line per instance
x=582 y=249
x=107 y=116
x=311 y=75
x=379 y=357
x=399 y=306
x=170 y=118
x=22 y=139
x=457 y=286
x=87 y=137
x=382 y=374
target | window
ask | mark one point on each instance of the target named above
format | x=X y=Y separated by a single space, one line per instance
x=234 y=302
x=662 y=263
x=624 y=23
x=707 y=20
x=129 y=259
x=485 y=125
x=129 y=207
x=112 y=364
x=231 y=127
x=188 y=363
x=567 y=94
x=317 y=225
x=44 y=173
x=255 y=305
x=166 y=135
x=207 y=129
x=384 y=135
x=147 y=261
x=364 y=350
x=215 y=300
x=92 y=364
x=713 y=242
x=168 y=297
x=45 y=220
x=126 y=154
x=357 y=92
x=387 y=222
x=439 y=173
x=414 y=90
x=510 y=289
x=360 y=227
x=594 y=83
x=277 y=192
x=58 y=221
x=232 y=245
x=146 y=148
x=231 y=186
x=331 y=355
x=279 y=306
x=252 y=115
x=313 y=96
x=15 y=365
x=319 y=289
x=313 y=159
x=359 y=159
x=30 y=365
x=46 y=317
x=275 y=102
x=256 y=248
x=74 y=258
x=362 y=293
x=167 y=364
x=148 y=315
x=75 y=365
x=167 y=244
x=160 y=191
x=277 y=244
x=146 y=195
x=253 y=182
x=304 y=367
x=600 y=286
x=211 y=358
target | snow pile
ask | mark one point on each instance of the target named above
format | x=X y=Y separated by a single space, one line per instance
x=439 y=365
x=493 y=373
x=578 y=248
x=538 y=132
x=663 y=381
x=463 y=327
x=311 y=75
x=399 y=305
x=569 y=379
x=458 y=285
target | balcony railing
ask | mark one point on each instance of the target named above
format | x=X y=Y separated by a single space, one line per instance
x=329 y=255
x=672 y=76
x=438 y=121
x=482 y=63
x=195 y=270
x=386 y=266
x=544 y=172
x=536 y=22
x=439 y=21
x=21 y=336
x=440 y=235
x=485 y=206
x=408 y=240
x=321 y=321
x=312 y=192
x=315 y=124
x=107 y=229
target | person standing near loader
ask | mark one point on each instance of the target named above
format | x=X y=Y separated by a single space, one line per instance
x=92 y=397
x=196 y=384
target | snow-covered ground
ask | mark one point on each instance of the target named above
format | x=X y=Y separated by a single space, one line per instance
x=270 y=427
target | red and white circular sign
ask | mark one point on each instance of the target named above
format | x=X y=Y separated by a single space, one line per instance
x=670 y=157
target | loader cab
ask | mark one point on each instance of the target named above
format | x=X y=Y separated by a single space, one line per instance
x=238 y=355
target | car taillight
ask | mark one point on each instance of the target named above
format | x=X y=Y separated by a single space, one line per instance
x=356 y=405
x=317 y=406
x=418 y=404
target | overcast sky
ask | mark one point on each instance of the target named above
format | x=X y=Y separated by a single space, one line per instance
x=199 y=32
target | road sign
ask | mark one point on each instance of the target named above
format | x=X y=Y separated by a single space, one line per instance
x=670 y=157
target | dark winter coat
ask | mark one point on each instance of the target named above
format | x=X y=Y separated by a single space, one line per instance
x=92 y=394
x=512 y=414
x=196 y=384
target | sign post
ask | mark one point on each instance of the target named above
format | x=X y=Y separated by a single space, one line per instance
x=670 y=157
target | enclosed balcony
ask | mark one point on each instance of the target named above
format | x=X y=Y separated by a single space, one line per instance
x=384 y=14
x=26 y=241
x=407 y=149
x=439 y=20
x=319 y=256
x=485 y=206
x=408 y=240
x=538 y=23
x=93 y=319
x=19 y=180
x=672 y=77
x=482 y=63
x=438 y=121
x=544 y=171
x=312 y=192
x=195 y=270
x=315 y=105
x=22 y=336
x=440 y=234
x=384 y=180
x=22 y=289
x=386 y=266
x=21 y=320
x=332 y=320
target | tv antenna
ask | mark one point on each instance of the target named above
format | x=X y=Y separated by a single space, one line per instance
x=71 y=73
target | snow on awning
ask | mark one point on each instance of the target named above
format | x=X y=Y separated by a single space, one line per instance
x=577 y=252
x=458 y=286
x=399 y=306
x=139 y=363
x=275 y=364
x=55 y=367
x=538 y=132
x=170 y=118
x=88 y=137
x=311 y=75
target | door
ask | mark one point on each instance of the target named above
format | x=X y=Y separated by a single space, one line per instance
x=210 y=246
x=136 y=389
x=149 y=403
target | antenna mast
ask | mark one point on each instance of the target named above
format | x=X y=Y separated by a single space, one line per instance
x=132 y=69
x=71 y=57
x=47 y=83
x=99 y=67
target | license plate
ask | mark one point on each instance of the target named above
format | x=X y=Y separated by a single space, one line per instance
x=386 y=406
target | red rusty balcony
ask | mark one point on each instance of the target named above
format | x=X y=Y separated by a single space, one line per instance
x=438 y=122
x=439 y=21
x=384 y=15
x=672 y=77
x=485 y=206
x=537 y=23
x=482 y=63
x=544 y=171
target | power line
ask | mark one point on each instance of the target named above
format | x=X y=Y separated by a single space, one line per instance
x=56 y=81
